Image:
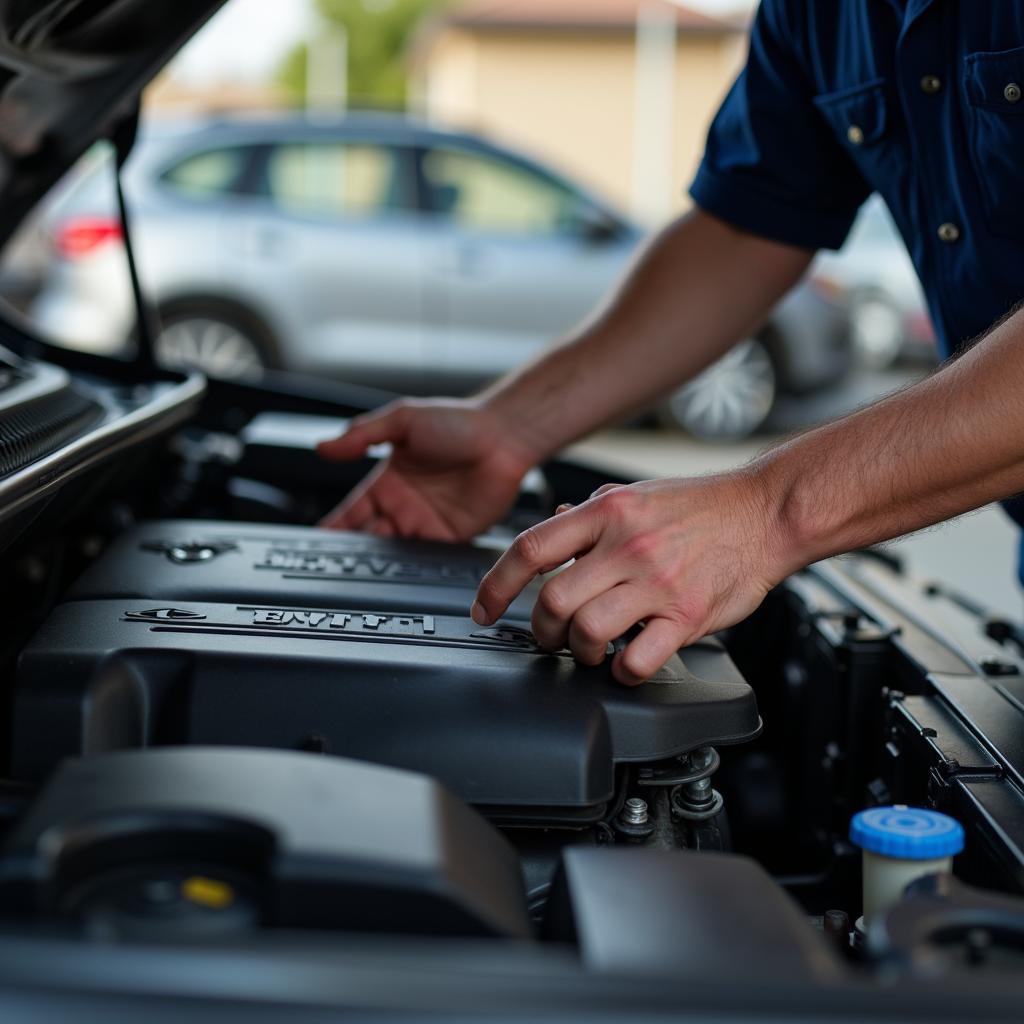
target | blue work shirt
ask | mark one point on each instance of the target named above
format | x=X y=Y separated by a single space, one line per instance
x=919 y=100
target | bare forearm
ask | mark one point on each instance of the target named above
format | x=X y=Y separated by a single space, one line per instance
x=698 y=288
x=945 y=446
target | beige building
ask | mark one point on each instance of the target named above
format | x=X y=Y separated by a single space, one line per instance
x=617 y=93
x=169 y=97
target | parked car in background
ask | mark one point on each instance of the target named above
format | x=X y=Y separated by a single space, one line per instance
x=382 y=251
x=887 y=306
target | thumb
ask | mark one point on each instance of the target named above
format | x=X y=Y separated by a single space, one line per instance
x=390 y=424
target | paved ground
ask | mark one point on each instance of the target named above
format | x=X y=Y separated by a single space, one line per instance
x=976 y=554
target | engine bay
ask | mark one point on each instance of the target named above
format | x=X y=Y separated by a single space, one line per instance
x=228 y=729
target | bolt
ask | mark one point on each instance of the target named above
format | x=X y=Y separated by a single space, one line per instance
x=635 y=811
x=699 y=792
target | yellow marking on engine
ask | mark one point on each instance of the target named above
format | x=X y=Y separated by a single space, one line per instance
x=207 y=892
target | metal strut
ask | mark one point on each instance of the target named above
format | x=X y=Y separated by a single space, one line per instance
x=123 y=139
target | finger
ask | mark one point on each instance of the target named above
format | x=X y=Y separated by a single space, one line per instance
x=380 y=526
x=356 y=510
x=564 y=507
x=648 y=652
x=553 y=542
x=348 y=517
x=384 y=493
x=562 y=597
x=351 y=514
x=406 y=509
x=605 y=488
x=391 y=424
x=603 y=620
x=397 y=503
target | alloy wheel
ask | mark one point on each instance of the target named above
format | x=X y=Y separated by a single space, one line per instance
x=731 y=398
x=214 y=347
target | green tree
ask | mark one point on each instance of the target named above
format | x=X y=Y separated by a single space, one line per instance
x=379 y=33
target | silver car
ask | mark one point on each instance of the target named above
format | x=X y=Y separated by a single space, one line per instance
x=887 y=305
x=382 y=251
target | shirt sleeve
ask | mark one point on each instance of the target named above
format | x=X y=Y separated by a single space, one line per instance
x=772 y=165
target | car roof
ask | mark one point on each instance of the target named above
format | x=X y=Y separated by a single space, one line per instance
x=276 y=124
x=164 y=140
x=275 y=127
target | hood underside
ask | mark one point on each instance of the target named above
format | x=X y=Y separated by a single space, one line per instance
x=70 y=70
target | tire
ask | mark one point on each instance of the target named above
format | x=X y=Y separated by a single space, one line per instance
x=730 y=400
x=217 y=339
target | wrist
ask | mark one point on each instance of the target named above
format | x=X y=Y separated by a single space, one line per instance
x=517 y=436
x=790 y=535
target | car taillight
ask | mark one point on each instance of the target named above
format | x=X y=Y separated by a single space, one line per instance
x=920 y=329
x=84 y=235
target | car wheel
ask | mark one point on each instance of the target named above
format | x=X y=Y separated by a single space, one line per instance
x=877 y=331
x=731 y=399
x=215 y=343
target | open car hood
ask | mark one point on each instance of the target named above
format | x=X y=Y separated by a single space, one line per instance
x=70 y=70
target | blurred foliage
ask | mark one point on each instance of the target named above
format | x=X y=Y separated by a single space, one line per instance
x=379 y=34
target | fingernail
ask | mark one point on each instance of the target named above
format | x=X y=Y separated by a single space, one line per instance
x=562 y=508
x=478 y=614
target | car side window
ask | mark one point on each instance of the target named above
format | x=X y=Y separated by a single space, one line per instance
x=484 y=193
x=341 y=179
x=209 y=174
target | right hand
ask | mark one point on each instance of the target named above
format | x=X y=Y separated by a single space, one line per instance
x=454 y=470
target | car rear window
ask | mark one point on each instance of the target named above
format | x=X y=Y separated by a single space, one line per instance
x=209 y=174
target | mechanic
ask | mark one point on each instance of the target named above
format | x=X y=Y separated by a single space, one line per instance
x=920 y=100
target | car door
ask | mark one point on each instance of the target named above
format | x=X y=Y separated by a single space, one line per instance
x=517 y=257
x=332 y=236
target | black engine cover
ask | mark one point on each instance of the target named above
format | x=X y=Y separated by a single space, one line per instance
x=190 y=560
x=264 y=837
x=516 y=731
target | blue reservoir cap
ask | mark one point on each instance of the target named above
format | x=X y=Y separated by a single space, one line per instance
x=907 y=833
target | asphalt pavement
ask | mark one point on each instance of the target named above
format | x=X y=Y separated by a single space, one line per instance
x=976 y=554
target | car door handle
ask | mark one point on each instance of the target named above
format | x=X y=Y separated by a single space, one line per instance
x=470 y=261
x=265 y=243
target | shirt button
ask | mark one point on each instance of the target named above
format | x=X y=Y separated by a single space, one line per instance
x=1012 y=93
x=949 y=232
x=931 y=84
x=855 y=134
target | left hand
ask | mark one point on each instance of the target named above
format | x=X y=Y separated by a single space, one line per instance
x=684 y=557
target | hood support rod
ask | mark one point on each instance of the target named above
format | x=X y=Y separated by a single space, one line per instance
x=123 y=139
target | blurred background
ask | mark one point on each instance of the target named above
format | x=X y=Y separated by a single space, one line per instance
x=419 y=195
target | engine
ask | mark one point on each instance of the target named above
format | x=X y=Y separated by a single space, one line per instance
x=227 y=729
x=194 y=633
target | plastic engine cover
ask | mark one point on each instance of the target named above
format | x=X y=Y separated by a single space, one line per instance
x=506 y=726
x=190 y=560
x=162 y=842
